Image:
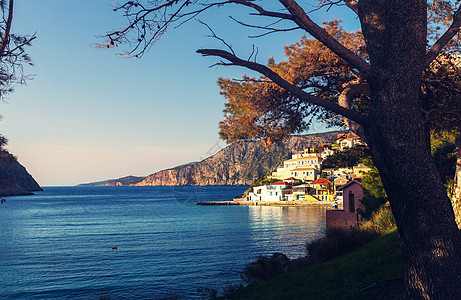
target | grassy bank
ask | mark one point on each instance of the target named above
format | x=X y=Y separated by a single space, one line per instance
x=372 y=272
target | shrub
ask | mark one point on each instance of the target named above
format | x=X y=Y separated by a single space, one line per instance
x=337 y=242
x=381 y=221
x=265 y=268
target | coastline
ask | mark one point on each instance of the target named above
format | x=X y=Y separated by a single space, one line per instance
x=267 y=203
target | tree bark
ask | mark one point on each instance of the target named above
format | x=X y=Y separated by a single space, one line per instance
x=456 y=199
x=430 y=239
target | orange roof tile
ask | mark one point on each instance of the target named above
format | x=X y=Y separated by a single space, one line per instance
x=279 y=183
x=321 y=181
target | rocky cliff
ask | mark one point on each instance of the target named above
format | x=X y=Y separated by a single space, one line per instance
x=14 y=178
x=237 y=164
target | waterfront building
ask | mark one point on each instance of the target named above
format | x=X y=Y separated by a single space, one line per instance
x=352 y=193
x=323 y=189
x=273 y=192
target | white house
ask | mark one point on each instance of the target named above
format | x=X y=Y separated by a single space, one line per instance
x=273 y=192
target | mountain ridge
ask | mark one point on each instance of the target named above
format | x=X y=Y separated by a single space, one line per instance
x=232 y=165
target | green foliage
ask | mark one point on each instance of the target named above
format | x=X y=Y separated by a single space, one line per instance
x=346 y=158
x=443 y=150
x=263 y=181
x=374 y=271
x=337 y=242
x=381 y=221
x=265 y=268
x=374 y=195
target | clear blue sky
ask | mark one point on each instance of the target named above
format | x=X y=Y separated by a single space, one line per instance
x=88 y=115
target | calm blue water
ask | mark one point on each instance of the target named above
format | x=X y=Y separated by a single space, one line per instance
x=58 y=243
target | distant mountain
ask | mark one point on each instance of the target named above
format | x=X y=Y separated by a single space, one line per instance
x=14 y=178
x=237 y=164
x=128 y=180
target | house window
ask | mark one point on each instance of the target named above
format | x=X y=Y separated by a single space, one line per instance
x=351 y=202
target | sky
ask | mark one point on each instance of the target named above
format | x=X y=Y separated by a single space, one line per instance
x=88 y=115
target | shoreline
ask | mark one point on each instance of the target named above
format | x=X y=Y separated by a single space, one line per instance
x=267 y=203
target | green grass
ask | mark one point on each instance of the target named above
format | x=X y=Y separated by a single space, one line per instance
x=374 y=271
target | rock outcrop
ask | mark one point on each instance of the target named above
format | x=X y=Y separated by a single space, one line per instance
x=237 y=164
x=14 y=178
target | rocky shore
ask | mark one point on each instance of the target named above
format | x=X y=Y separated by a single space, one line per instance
x=14 y=178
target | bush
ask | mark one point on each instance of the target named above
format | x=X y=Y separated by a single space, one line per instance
x=381 y=221
x=265 y=268
x=338 y=241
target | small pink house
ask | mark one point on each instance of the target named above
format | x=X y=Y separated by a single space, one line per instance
x=348 y=216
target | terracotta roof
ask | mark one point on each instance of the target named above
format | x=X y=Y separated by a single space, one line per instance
x=290 y=179
x=321 y=181
x=279 y=183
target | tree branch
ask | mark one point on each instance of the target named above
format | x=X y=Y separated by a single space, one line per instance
x=444 y=39
x=262 y=11
x=6 y=36
x=303 y=21
x=345 y=100
x=352 y=4
x=294 y=90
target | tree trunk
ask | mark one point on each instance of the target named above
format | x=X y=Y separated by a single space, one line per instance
x=430 y=239
x=456 y=199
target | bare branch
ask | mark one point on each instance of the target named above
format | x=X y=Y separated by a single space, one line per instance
x=444 y=39
x=217 y=37
x=294 y=90
x=269 y=29
x=304 y=22
x=6 y=36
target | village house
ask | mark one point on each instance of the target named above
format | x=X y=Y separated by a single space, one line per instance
x=302 y=166
x=273 y=192
x=346 y=140
x=343 y=172
x=305 y=174
x=352 y=193
x=339 y=181
x=360 y=170
x=291 y=181
x=323 y=189
x=301 y=192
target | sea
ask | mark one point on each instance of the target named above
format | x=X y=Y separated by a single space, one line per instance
x=140 y=242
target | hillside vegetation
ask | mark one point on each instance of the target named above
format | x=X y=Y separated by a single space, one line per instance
x=374 y=271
